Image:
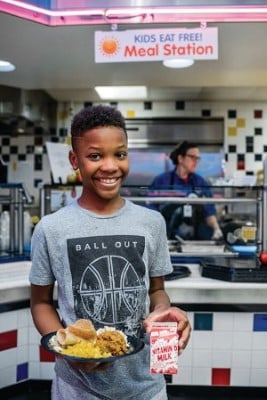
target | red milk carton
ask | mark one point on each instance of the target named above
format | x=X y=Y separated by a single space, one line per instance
x=164 y=348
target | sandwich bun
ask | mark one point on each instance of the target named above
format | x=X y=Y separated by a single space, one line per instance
x=66 y=338
x=84 y=329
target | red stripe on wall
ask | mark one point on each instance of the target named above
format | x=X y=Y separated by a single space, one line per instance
x=8 y=340
x=46 y=356
x=221 y=376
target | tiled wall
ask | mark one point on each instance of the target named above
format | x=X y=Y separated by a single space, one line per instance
x=19 y=349
x=226 y=349
x=244 y=134
x=245 y=131
x=27 y=160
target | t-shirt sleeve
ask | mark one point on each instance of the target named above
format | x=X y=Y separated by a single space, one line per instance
x=40 y=272
x=161 y=261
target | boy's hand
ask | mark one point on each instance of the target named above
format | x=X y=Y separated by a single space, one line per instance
x=171 y=314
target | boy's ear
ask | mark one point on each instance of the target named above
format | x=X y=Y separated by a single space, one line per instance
x=73 y=160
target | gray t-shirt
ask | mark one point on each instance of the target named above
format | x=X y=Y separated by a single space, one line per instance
x=102 y=265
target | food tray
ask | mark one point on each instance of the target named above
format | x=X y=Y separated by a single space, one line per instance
x=202 y=248
x=135 y=345
x=234 y=270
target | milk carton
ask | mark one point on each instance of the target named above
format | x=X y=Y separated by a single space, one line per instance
x=164 y=348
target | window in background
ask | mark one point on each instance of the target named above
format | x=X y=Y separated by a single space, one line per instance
x=146 y=163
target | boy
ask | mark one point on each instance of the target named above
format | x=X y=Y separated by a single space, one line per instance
x=109 y=257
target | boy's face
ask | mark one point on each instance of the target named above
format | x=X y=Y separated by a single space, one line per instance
x=101 y=154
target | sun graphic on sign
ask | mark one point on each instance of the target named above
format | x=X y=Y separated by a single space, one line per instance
x=109 y=46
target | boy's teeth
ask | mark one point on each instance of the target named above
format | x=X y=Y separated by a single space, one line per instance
x=108 y=180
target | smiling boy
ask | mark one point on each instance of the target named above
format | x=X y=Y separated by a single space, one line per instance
x=108 y=257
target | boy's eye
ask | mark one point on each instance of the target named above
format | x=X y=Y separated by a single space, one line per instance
x=94 y=156
x=122 y=154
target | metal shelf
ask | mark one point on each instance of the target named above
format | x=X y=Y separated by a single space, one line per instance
x=15 y=195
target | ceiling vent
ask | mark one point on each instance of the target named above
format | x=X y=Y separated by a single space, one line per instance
x=26 y=112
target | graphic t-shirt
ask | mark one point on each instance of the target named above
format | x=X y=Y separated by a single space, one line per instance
x=108 y=280
x=102 y=265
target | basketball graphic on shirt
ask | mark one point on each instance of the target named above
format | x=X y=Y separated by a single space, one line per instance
x=109 y=280
x=111 y=290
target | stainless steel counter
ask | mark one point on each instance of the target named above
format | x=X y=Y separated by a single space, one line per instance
x=196 y=289
x=14 y=282
x=14 y=286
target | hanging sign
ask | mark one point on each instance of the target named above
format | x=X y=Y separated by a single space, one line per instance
x=156 y=44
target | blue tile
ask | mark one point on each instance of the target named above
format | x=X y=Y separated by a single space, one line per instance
x=260 y=323
x=232 y=114
x=258 y=157
x=258 y=131
x=206 y=113
x=22 y=372
x=203 y=321
x=249 y=139
x=232 y=148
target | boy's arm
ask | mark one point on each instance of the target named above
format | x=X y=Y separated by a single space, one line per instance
x=44 y=314
x=157 y=293
x=47 y=320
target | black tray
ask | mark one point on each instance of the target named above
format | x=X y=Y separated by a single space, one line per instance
x=179 y=271
x=234 y=269
x=135 y=343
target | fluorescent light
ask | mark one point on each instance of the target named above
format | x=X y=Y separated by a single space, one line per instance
x=135 y=11
x=73 y=15
x=178 y=62
x=121 y=92
x=6 y=66
x=55 y=13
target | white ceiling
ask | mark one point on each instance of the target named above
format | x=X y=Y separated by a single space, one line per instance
x=60 y=60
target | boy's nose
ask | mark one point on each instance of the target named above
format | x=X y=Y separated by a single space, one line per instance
x=109 y=164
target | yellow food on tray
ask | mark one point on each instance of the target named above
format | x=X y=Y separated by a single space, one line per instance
x=85 y=349
x=82 y=340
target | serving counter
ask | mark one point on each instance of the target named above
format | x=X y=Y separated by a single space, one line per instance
x=14 y=283
x=228 y=342
x=195 y=289
x=228 y=346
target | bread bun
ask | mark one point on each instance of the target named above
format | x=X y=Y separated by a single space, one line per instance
x=84 y=329
x=65 y=338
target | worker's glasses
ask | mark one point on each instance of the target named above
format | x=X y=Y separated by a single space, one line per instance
x=193 y=157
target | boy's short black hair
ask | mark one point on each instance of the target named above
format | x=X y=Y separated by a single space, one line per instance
x=181 y=150
x=95 y=116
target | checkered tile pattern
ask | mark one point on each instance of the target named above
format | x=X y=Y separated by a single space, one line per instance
x=244 y=140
